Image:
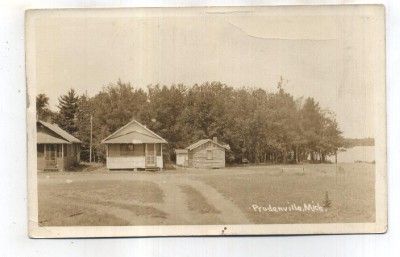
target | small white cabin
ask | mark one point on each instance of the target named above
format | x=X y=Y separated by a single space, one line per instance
x=134 y=147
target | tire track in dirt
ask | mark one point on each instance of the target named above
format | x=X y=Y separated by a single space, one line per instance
x=229 y=213
x=175 y=205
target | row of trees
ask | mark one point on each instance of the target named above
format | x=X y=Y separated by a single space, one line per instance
x=259 y=126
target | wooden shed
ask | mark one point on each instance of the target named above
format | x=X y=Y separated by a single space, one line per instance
x=205 y=153
x=134 y=146
x=56 y=148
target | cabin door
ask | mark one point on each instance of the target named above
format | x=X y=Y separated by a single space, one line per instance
x=50 y=156
x=150 y=155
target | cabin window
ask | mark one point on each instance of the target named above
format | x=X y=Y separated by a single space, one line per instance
x=40 y=150
x=65 y=150
x=209 y=155
x=127 y=149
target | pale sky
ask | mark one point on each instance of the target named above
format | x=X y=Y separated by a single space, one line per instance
x=323 y=54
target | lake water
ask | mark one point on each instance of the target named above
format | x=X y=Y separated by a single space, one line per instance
x=357 y=153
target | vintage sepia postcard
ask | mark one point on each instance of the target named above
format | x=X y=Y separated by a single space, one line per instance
x=206 y=121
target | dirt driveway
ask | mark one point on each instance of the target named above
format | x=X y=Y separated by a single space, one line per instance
x=200 y=197
x=120 y=198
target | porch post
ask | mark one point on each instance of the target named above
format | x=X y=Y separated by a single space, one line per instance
x=162 y=159
x=145 y=155
x=155 y=154
x=62 y=157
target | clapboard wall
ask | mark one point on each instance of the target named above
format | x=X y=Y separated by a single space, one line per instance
x=208 y=155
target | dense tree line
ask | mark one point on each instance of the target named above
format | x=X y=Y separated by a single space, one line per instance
x=259 y=126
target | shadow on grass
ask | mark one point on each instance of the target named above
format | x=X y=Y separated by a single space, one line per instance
x=86 y=167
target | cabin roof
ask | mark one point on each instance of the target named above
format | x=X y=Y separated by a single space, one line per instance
x=134 y=137
x=203 y=141
x=133 y=133
x=46 y=138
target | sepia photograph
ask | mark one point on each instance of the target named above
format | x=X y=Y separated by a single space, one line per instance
x=206 y=121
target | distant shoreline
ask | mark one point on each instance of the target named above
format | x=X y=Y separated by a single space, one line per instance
x=352 y=142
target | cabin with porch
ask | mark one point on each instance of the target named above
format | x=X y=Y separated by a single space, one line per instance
x=205 y=153
x=134 y=146
x=57 y=150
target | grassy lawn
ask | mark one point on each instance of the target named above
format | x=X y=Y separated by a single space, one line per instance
x=55 y=213
x=86 y=202
x=350 y=189
x=192 y=196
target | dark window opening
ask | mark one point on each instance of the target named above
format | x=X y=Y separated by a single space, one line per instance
x=127 y=149
x=59 y=151
x=40 y=150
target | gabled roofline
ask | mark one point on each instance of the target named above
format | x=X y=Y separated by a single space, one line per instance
x=140 y=124
x=150 y=131
x=133 y=132
x=50 y=128
x=206 y=141
x=115 y=132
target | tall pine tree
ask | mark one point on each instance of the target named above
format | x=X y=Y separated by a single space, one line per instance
x=68 y=107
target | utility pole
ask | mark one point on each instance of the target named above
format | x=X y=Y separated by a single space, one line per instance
x=91 y=138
